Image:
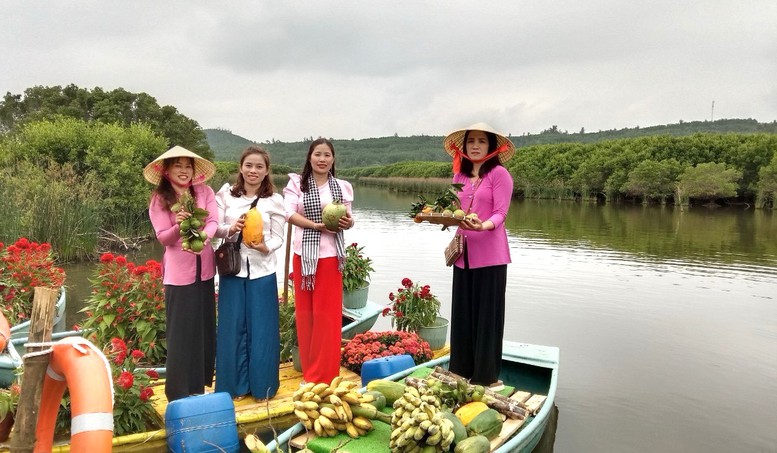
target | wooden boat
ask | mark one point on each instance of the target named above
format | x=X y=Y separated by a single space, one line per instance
x=531 y=369
x=10 y=359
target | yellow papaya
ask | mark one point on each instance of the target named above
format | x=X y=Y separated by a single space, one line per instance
x=253 y=229
x=469 y=411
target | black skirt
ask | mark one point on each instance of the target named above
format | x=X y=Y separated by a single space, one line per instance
x=477 y=322
x=191 y=338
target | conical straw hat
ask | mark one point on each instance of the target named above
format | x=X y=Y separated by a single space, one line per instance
x=455 y=140
x=203 y=168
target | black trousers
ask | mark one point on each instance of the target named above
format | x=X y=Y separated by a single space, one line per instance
x=191 y=337
x=477 y=322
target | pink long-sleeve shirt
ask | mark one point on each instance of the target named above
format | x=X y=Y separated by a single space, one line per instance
x=179 y=266
x=293 y=203
x=491 y=202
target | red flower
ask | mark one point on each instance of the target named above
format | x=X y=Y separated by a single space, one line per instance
x=106 y=258
x=125 y=380
x=370 y=345
x=137 y=354
x=146 y=393
x=152 y=374
x=118 y=345
x=407 y=283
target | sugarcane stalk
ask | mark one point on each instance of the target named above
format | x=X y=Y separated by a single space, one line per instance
x=498 y=396
x=505 y=406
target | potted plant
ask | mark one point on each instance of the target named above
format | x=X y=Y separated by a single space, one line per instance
x=356 y=276
x=414 y=308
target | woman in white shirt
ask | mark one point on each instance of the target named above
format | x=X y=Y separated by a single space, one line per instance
x=247 y=338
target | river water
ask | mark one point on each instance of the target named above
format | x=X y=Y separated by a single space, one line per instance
x=666 y=319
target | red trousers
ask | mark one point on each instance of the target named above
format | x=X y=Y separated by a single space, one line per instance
x=319 y=320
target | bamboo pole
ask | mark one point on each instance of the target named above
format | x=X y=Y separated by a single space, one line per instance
x=286 y=264
x=41 y=325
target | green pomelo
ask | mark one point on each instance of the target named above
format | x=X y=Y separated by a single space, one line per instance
x=331 y=215
x=196 y=245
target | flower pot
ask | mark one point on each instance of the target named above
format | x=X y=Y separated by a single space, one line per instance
x=356 y=298
x=435 y=334
x=295 y=359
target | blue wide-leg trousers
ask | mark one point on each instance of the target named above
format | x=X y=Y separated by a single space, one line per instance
x=247 y=338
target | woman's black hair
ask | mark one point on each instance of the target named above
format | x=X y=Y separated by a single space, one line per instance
x=165 y=189
x=266 y=188
x=485 y=167
x=307 y=170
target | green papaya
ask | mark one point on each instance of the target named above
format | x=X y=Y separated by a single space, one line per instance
x=474 y=444
x=390 y=389
x=487 y=423
x=459 y=431
x=380 y=399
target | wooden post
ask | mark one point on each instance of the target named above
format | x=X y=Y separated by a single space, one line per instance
x=286 y=265
x=41 y=325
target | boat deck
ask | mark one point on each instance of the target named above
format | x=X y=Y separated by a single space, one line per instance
x=251 y=416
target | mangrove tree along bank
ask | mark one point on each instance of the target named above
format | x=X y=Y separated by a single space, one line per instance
x=691 y=169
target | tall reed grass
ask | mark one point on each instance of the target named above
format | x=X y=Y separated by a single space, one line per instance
x=50 y=203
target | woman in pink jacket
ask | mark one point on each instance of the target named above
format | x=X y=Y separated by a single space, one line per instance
x=190 y=300
x=480 y=274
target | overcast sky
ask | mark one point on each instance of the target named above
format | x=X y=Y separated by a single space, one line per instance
x=370 y=68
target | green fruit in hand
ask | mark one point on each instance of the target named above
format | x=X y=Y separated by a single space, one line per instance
x=197 y=245
x=203 y=235
x=194 y=223
x=185 y=245
x=458 y=213
x=331 y=215
x=185 y=225
x=447 y=212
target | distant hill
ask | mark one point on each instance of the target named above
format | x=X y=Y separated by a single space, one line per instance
x=226 y=146
x=387 y=150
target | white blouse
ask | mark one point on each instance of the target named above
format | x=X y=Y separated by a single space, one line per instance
x=255 y=263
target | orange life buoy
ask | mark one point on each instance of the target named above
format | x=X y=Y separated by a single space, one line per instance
x=78 y=365
x=5 y=332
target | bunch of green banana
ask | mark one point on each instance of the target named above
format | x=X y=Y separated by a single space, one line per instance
x=335 y=407
x=417 y=424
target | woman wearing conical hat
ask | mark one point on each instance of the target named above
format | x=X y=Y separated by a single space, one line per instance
x=187 y=272
x=480 y=273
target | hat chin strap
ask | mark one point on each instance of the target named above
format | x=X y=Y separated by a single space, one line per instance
x=459 y=155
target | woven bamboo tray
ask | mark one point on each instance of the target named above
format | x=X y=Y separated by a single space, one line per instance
x=439 y=219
